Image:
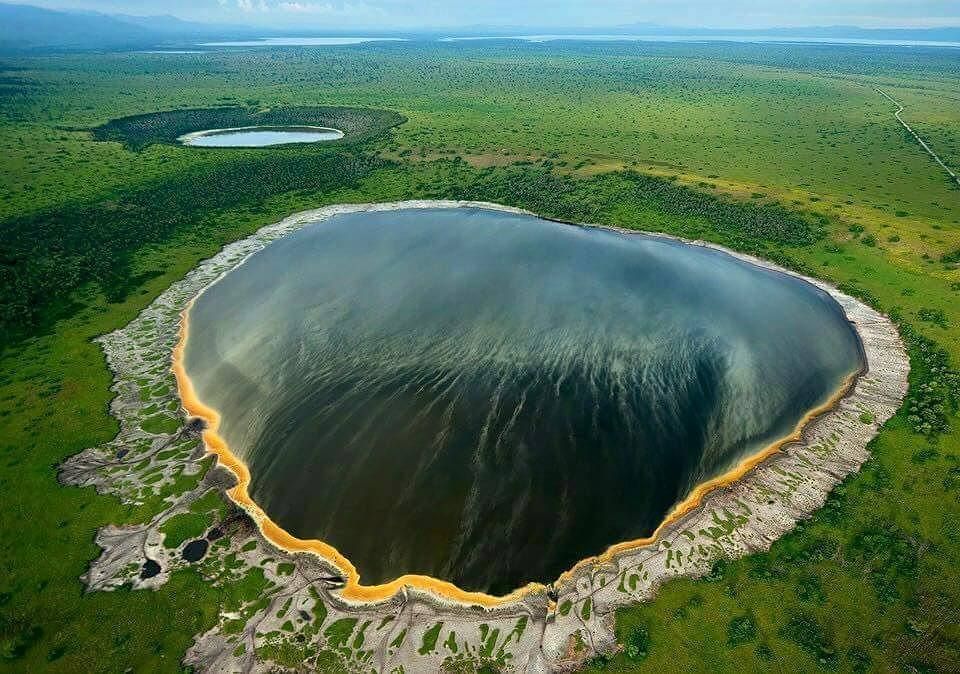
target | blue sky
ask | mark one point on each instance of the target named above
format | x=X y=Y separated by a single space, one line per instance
x=339 y=14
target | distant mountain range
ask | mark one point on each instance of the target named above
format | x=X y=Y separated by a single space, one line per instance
x=25 y=28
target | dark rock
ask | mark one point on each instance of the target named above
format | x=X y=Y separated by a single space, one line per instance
x=214 y=534
x=196 y=425
x=220 y=478
x=238 y=522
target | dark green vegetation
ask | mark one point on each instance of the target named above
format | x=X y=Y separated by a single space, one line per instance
x=869 y=583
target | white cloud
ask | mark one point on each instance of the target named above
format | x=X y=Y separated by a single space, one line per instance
x=251 y=5
x=307 y=7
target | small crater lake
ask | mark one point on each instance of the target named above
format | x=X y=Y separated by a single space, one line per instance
x=260 y=136
x=487 y=397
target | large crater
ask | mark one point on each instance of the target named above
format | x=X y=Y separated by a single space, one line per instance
x=177 y=126
x=488 y=397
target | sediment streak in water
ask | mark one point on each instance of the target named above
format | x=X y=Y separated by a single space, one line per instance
x=540 y=390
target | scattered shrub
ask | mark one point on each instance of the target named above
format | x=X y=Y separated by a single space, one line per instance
x=741 y=630
x=804 y=630
x=637 y=645
x=952 y=257
x=935 y=316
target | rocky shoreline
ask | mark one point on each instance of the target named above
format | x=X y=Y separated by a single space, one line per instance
x=305 y=616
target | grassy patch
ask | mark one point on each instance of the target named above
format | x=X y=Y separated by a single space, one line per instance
x=184 y=527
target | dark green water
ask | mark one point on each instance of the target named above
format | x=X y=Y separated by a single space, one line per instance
x=489 y=398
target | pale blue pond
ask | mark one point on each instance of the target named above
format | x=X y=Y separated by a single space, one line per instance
x=261 y=136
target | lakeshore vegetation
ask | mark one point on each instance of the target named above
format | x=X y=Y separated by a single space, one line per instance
x=788 y=152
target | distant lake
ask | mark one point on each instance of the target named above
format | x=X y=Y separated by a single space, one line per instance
x=300 y=41
x=489 y=397
x=260 y=136
x=707 y=38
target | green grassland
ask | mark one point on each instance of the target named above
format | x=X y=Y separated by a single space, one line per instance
x=789 y=152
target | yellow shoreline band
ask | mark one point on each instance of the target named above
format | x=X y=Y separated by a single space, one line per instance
x=353 y=590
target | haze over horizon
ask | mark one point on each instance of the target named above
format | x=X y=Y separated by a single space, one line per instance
x=400 y=14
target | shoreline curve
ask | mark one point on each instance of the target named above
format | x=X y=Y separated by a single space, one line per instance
x=353 y=590
x=187 y=139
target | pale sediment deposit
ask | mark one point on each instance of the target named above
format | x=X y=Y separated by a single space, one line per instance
x=311 y=610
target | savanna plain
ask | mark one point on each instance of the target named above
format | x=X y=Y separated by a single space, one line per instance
x=789 y=152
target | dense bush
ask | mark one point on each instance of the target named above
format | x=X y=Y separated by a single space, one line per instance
x=628 y=198
x=952 y=257
x=45 y=257
x=934 y=394
x=887 y=556
x=806 y=631
x=637 y=645
x=741 y=630
x=935 y=316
